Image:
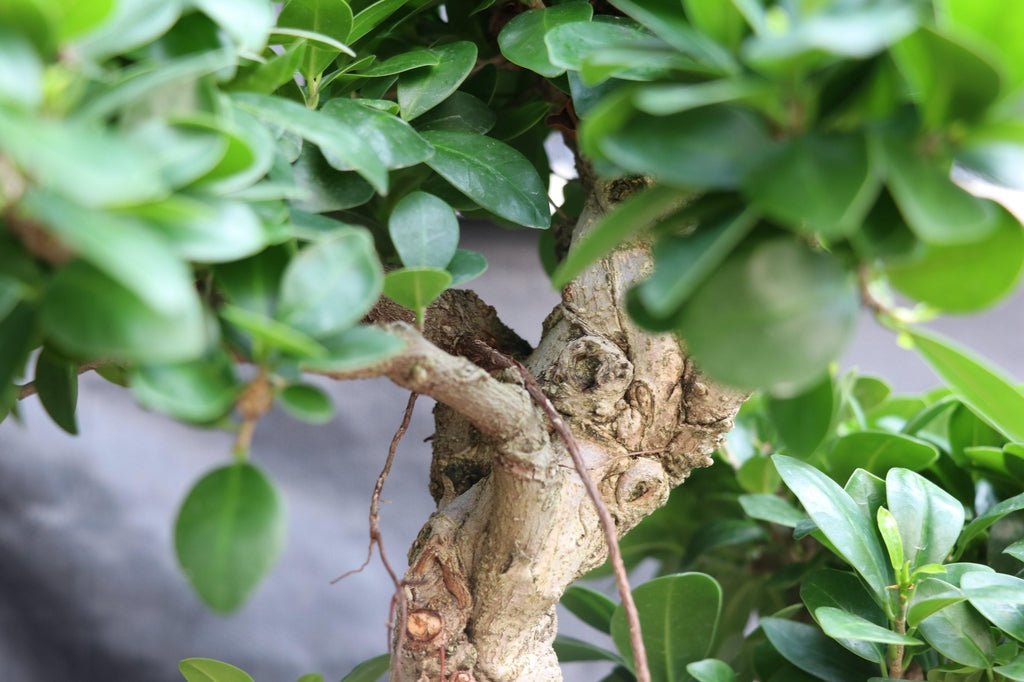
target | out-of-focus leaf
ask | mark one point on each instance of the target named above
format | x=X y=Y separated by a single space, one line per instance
x=56 y=382
x=522 y=39
x=209 y=670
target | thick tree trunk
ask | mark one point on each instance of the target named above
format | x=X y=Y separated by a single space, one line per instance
x=514 y=526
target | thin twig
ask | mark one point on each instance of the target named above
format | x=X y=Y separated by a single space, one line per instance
x=636 y=641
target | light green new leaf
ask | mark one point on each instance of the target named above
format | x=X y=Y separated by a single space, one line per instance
x=370 y=670
x=416 y=288
x=956 y=631
x=806 y=647
x=999 y=597
x=991 y=24
x=421 y=90
x=209 y=670
x=773 y=316
x=839 y=518
x=228 y=534
x=331 y=284
x=201 y=391
x=81 y=16
x=249 y=155
x=839 y=624
x=590 y=606
x=246 y=21
x=678 y=616
x=306 y=402
x=929 y=518
x=890 y=532
x=396 y=143
x=877 y=452
x=311 y=677
x=491 y=173
x=331 y=18
x=522 y=39
x=980 y=386
x=424 y=230
x=56 y=381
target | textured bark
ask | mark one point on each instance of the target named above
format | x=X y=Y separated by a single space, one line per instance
x=514 y=526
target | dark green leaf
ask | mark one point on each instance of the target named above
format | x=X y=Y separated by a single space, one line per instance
x=956 y=631
x=678 y=616
x=930 y=598
x=839 y=624
x=461 y=112
x=877 y=452
x=372 y=16
x=421 y=90
x=929 y=518
x=494 y=175
x=838 y=589
x=56 y=382
x=773 y=316
x=370 y=670
x=993 y=514
x=804 y=420
x=571 y=650
x=306 y=402
x=249 y=154
x=999 y=597
x=465 y=265
x=331 y=284
x=522 y=39
x=424 y=230
x=272 y=333
x=416 y=288
x=229 y=533
x=395 y=142
x=327 y=188
x=209 y=670
x=806 y=647
x=203 y=390
x=590 y=606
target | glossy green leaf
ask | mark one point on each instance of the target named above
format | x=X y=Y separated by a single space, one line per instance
x=839 y=518
x=890 y=531
x=998 y=597
x=494 y=175
x=681 y=263
x=202 y=390
x=209 y=670
x=424 y=230
x=306 y=402
x=406 y=61
x=522 y=39
x=806 y=647
x=678 y=616
x=956 y=631
x=839 y=624
x=421 y=90
x=246 y=21
x=804 y=420
x=708 y=148
x=929 y=518
x=963 y=277
x=867 y=491
x=56 y=381
x=878 y=452
x=842 y=590
x=773 y=316
x=771 y=508
x=331 y=284
x=395 y=142
x=993 y=514
x=340 y=144
x=332 y=18
x=461 y=112
x=327 y=188
x=370 y=670
x=815 y=183
x=228 y=534
x=936 y=209
x=416 y=288
x=572 y=650
x=465 y=266
x=125 y=328
x=929 y=598
x=571 y=43
x=590 y=606
x=981 y=387
x=358 y=347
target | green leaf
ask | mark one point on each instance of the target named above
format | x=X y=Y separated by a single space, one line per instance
x=327 y=188
x=332 y=18
x=465 y=265
x=570 y=44
x=678 y=616
x=992 y=25
x=963 y=277
x=124 y=328
x=311 y=677
x=662 y=99
x=806 y=647
x=1014 y=670
x=461 y=112
x=421 y=90
x=21 y=71
x=494 y=175
x=249 y=155
x=228 y=534
x=522 y=39
x=272 y=333
x=81 y=16
x=804 y=420
x=246 y=21
x=839 y=518
x=572 y=650
x=201 y=391
x=956 y=631
x=719 y=20
x=681 y=262
x=711 y=670
x=416 y=288
x=771 y=508
x=372 y=16
x=981 y=387
x=999 y=597
x=340 y=144
x=639 y=212
x=936 y=209
x=56 y=382
x=758 y=475
x=280 y=69
x=708 y=148
x=878 y=452
x=133 y=23
x=665 y=19
x=590 y=606
x=209 y=670
x=424 y=230
x=842 y=590
x=355 y=348
x=815 y=183
x=839 y=624
x=930 y=598
x=306 y=402
x=331 y=284
x=1016 y=550
x=929 y=518
x=370 y=670
x=890 y=532
x=18 y=336
x=395 y=142
x=406 y=61
x=948 y=79
x=773 y=316
x=993 y=514
x=996 y=153
x=206 y=231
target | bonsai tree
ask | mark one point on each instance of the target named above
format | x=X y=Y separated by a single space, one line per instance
x=206 y=201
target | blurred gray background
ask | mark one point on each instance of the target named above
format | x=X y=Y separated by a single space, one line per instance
x=89 y=589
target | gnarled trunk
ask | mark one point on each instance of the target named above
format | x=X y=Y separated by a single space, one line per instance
x=514 y=526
